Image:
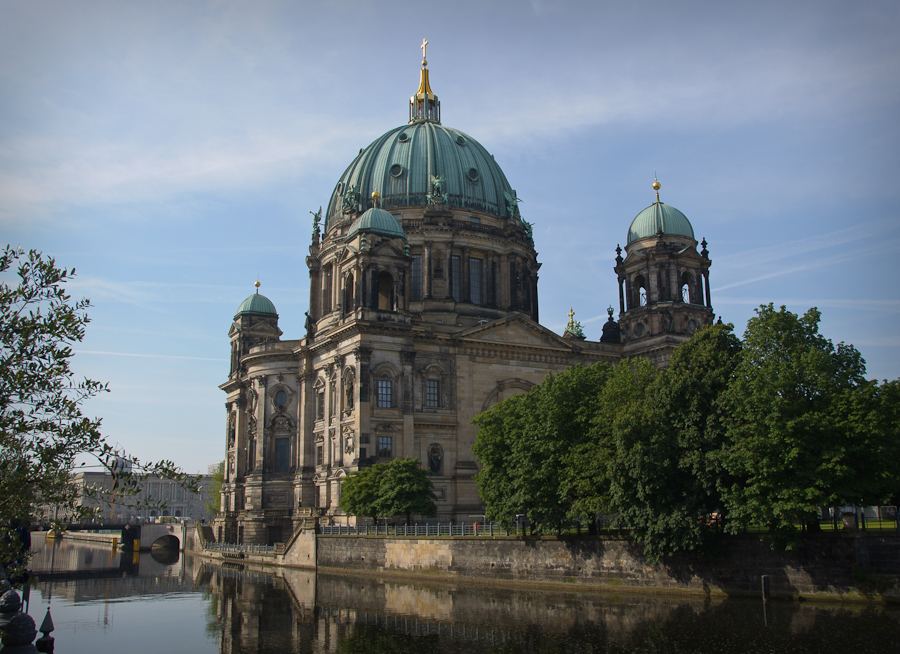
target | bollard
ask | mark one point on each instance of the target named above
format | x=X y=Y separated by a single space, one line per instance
x=765 y=588
x=45 y=642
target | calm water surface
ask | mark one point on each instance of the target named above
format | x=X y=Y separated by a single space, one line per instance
x=104 y=601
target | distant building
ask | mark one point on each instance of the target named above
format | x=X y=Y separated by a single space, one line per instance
x=423 y=313
x=215 y=467
x=98 y=495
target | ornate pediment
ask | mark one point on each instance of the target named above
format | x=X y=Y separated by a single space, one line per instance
x=516 y=331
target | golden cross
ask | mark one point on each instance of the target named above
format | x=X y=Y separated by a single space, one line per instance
x=571 y=314
x=424 y=43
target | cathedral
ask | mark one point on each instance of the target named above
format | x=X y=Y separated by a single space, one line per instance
x=423 y=312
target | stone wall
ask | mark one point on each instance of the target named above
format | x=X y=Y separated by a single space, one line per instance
x=865 y=567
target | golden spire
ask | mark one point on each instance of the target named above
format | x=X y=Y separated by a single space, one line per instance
x=424 y=105
x=656 y=187
x=376 y=196
x=257 y=285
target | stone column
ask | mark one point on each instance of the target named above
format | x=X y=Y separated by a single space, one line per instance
x=449 y=258
x=315 y=283
x=621 y=295
x=260 y=424
x=373 y=277
x=426 y=269
x=464 y=278
x=504 y=281
x=706 y=288
x=407 y=380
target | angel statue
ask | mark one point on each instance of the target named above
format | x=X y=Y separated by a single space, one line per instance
x=437 y=189
x=512 y=204
x=317 y=218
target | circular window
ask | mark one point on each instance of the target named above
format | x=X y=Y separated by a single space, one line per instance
x=396 y=170
x=281 y=399
x=472 y=174
x=340 y=188
x=404 y=137
x=460 y=140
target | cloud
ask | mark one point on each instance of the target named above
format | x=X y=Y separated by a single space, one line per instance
x=889 y=306
x=148 y=356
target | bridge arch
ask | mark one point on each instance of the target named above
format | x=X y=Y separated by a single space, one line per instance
x=167 y=542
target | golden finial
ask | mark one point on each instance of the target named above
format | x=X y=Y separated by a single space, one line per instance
x=571 y=315
x=257 y=285
x=376 y=196
x=656 y=187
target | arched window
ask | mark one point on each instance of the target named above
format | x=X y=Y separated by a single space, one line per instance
x=348 y=293
x=687 y=288
x=385 y=291
x=639 y=287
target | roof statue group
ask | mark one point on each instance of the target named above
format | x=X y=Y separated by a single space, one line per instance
x=423 y=312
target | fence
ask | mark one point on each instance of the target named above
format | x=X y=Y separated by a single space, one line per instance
x=473 y=529
x=240 y=548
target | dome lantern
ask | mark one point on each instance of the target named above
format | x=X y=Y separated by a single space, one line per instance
x=424 y=104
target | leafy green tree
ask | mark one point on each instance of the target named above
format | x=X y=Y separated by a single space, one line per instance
x=586 y=479
x=404 y=488
x=797 y=413
x=216 y=479
x=42 y=428
x=666 y=472
x=525 y=445
x=360 y=491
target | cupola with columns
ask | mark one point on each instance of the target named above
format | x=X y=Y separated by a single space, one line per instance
x=663 y=282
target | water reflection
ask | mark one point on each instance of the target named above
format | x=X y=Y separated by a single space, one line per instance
x=244 y=609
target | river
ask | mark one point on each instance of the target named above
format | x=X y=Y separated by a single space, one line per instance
x=106 y=601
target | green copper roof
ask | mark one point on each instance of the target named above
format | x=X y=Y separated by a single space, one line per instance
x=257 y=305
x=399 y=164
x=376 y=221
x=659 y=218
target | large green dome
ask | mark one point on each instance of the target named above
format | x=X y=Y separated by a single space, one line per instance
x=659 y=218
x=399 y=164
x=376 y=221
x=257 y=305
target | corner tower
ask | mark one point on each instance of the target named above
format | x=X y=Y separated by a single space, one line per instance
x=663 y=283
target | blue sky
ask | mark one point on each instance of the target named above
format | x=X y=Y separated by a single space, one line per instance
x=171 y=152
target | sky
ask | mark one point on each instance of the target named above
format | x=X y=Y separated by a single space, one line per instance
x=171 y=152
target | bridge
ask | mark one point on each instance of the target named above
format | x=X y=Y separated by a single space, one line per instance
x=140 y=537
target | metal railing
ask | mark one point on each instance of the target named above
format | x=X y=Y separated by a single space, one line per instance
x=239 y=548
x=468 y=529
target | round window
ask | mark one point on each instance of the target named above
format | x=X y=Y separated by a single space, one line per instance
x=460 y=140
x=472 y=174
x=281 y=399
x=404 y=137
x=396 y=170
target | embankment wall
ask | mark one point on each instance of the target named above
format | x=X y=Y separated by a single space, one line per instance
x=863 y=568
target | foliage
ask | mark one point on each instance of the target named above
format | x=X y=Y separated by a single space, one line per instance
x=404 y=488
x=805 y=429
x=525 y=446
x=216 y=479
x=586 y=479
x=360 y=491
x=399 y=487
x=667 y=470
x=42 y=429
x=733 y=434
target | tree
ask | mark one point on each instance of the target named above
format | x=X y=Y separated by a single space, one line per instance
x=805 y=429
x=525 y=445
x=216 y=479
x=667 y=467
x=42 y=428
x=404 y=488
x=591 y=464
x=360 y=491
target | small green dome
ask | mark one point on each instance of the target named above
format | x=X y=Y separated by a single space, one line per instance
x=376 y=221
x=256 y=305
x=659 y=218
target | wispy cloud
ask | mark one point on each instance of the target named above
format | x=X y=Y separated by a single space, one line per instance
x=147 y=356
